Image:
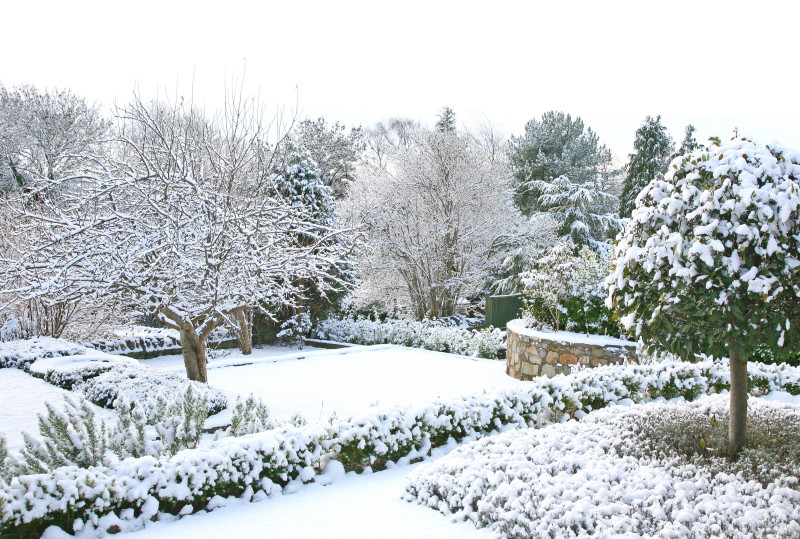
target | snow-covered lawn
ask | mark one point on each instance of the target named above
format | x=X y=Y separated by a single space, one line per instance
x=22 y=398
x=348 y=381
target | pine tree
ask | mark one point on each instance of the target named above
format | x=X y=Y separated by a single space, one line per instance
x=650 y=159
x=447 y=121
x=553 y=147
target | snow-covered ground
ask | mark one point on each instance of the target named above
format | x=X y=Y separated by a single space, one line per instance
x=348 y=381
x=22 y=398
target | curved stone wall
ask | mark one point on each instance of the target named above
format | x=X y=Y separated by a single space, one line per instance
x=531 y=353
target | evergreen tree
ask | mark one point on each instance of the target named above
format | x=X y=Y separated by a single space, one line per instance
x=688 y=144
x=553 y=147
x=650 y=159
x=447 y=121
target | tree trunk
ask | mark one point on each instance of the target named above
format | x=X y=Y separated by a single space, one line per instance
x=193 y=348
x=737 y=428
x=244 y=333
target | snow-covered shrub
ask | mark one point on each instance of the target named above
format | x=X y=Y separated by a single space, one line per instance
x=700 y=435
x=10 y=466
x=295 y=327
x=72 y=437
x=11 y=329
x=137 y=383
x=567 y=291
x=250 y=415
x=69 y=378
x=20 y=354
x=160 y=426
x=488 y=343
x=597 y=478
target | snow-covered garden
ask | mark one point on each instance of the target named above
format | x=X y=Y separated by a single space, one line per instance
x=161 y=269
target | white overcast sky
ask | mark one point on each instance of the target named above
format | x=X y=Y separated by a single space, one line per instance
x=717 y=65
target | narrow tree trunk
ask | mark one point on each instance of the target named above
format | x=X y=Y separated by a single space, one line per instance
x=737 y=428
x=244 y=333
x=193 y=348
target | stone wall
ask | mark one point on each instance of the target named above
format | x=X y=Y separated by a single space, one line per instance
x=532 y=353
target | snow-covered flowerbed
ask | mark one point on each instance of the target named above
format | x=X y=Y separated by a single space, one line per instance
x=488 y=343
x=599 y=478
x=140 y=488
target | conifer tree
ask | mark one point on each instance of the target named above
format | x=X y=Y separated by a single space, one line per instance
x=553 y=147
x=447 y=121
x=650 y=159
x=689 y=143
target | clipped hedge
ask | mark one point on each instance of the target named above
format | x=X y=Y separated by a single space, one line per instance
x=486 y=343
x=137 y=489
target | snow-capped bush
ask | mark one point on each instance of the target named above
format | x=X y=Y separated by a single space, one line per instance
x=160 y=426
x=98 y=497
x=21 y=354
x=487 y=343
x=596 y=478
x=72 y=437
x=567 y=291
x=250 y=415
x=137 y=383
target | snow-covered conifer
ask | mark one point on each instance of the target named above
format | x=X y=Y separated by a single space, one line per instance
x=650 y=158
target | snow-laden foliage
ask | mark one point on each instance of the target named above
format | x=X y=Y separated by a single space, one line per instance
x=160 y=426
x=437 y=216
x=74 y=436
x=336 y=153
x=586 y=212
x=567 y=291
x=20 y=354
x=10 y=466
x=710 y=257
x=488 y=343
x=135 y=490
x=597 y=478
x=250 y=415
x=551 y=147
x=652 y=152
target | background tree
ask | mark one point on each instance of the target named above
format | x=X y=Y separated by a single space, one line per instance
x=553 y=147
x=49 y=135
x=652 y=149
x=688 y=144
x=709 y=262
x=438 y=215
x=447 y=121
x=587 y=215
x=335 y=151
x=186 y=221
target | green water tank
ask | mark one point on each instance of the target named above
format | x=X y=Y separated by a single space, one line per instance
x=501 y=309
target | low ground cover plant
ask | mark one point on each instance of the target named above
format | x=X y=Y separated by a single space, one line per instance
x=619 y=472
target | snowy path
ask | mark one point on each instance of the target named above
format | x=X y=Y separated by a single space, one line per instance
x=365 y=506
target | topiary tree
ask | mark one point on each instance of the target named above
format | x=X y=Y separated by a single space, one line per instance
x=710 y=260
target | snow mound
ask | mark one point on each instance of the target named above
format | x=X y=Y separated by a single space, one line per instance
x=594 y=478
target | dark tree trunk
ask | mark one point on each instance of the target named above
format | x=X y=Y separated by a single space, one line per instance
x=193 y=348
x=737 y=428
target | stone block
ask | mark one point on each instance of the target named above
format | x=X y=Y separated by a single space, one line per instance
x=568 y=359
x=552 y=357
x=548 y=370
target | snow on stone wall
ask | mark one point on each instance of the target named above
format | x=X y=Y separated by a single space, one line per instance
x=531 y=353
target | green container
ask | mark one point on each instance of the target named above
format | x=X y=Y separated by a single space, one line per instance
x=501 y=309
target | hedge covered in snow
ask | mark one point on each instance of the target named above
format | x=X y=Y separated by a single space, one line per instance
x=486 y=343
x=599 y=478
x=131 y=493
x=100 y=376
